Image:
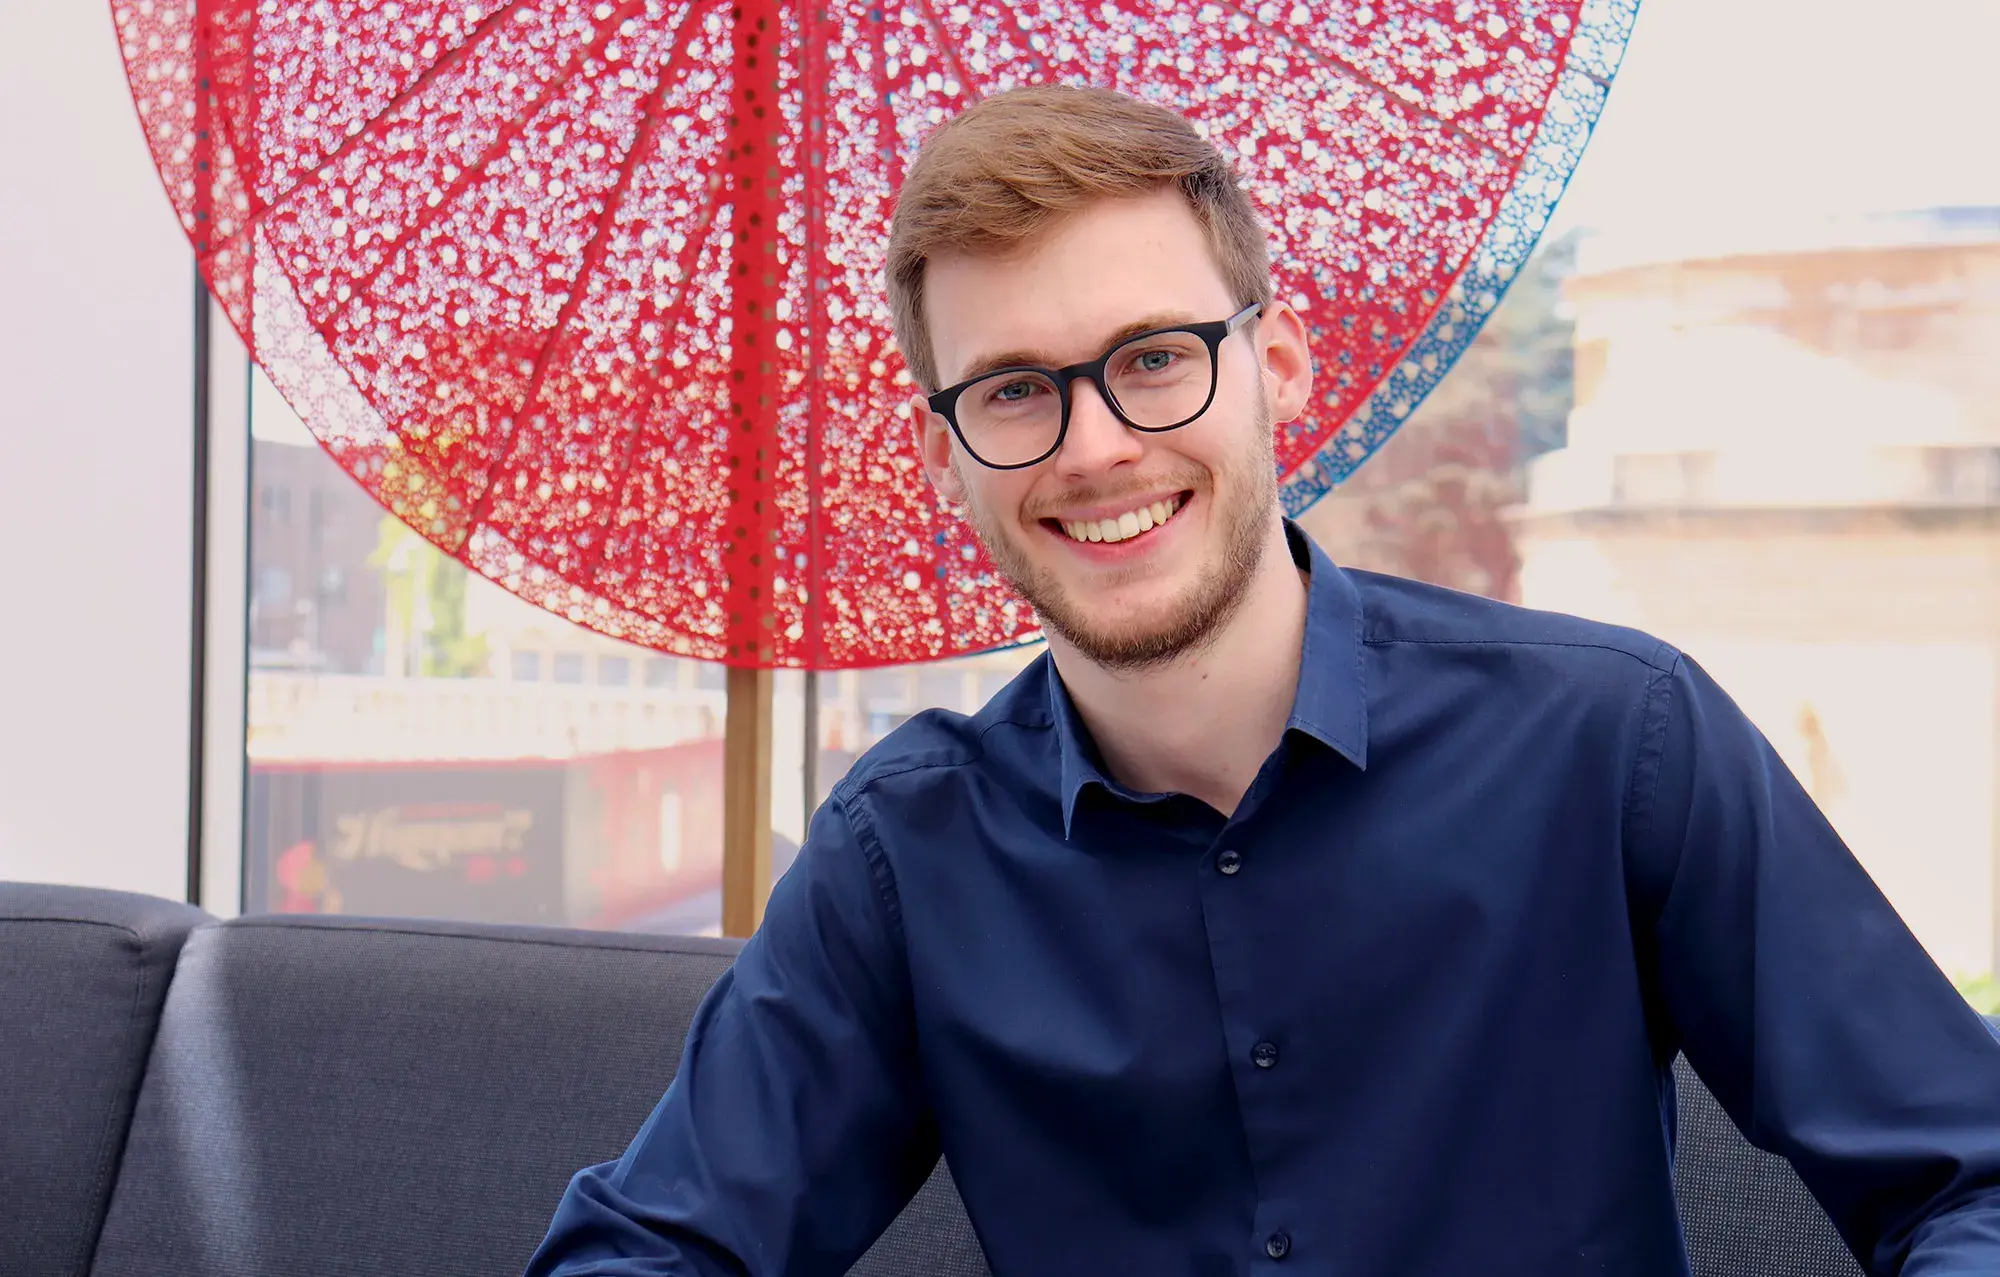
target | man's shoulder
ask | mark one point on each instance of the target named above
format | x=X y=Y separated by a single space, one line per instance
x=940 y=748
x=1401 y=612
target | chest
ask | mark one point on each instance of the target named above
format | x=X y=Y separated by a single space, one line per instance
x=1348 y=920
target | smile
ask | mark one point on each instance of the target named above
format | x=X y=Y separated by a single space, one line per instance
x=1134 y=522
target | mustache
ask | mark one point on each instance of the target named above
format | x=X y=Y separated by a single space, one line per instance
x=1047 y=507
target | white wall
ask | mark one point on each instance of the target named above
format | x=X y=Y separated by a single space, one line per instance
x=95 y=465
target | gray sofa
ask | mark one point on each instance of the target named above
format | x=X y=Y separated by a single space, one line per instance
x=313 y=1097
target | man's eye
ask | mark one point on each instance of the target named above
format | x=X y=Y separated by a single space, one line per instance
x=1013 y=391
x=1154 y=360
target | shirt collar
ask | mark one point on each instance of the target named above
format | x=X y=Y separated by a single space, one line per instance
x=1330 y=703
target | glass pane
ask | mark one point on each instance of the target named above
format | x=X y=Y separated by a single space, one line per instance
x=859 y=707
x=1780 y=458
x=424 y=744
x=1764 y=428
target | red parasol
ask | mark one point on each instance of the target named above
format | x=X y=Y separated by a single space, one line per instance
x=588 y=291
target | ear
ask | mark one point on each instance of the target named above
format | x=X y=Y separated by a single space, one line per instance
x=1286 y=356
x=934 y=444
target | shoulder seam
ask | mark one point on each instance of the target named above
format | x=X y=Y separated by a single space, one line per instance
x=856 y=786
x=879 y=870
x=1642 y=810
x=1661 y=659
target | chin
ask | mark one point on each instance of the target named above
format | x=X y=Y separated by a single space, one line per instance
x=1130 y=629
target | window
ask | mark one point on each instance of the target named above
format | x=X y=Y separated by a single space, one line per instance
x=1670 y=478
x=992 y=682
x=1771 y=443
x=859 y=707
x=943 y=686
x=274 y=589
x=1724 y=402
x=414 y=704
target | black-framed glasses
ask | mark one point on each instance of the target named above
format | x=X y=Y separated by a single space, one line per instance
x=1156 y=381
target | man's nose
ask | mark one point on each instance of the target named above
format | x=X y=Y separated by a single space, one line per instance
x=1097 y=439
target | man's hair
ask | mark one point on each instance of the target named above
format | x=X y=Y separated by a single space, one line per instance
x=1006 y=169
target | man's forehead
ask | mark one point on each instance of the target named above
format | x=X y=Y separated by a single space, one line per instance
x=1094 y=278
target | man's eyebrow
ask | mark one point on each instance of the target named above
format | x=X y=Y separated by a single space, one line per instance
x=1043 y=359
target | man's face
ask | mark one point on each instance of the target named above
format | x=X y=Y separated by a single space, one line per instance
x=1123 y=601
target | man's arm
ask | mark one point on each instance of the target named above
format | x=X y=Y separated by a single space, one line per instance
x=1803 y=1001
x=795 y=1129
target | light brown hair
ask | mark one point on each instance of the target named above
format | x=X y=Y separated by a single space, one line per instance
x=1004 y=170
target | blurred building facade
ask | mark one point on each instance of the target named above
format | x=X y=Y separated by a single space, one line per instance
x=421 y=741
x=1784 y=458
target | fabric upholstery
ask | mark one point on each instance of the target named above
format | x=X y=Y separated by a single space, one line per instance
x=82 y=977
x=343 y=1097
x=339 y=1098
x=1745 y=1213
x=931 y=1238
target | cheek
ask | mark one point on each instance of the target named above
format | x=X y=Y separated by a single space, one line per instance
x=999 y=494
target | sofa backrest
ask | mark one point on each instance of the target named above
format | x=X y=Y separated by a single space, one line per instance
x=339 y=1098
x=333 y=1096
x=82 y=977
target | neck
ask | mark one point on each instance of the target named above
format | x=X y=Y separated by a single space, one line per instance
x=1204 y=723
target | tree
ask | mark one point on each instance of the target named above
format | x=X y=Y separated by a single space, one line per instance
x=424 y=607
x=1431 y=504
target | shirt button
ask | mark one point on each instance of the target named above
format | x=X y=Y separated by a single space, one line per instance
x=1277 y=1245
x=1264 y=1055
x=1229 y=861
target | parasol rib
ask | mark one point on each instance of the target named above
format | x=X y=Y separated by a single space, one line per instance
x=452 y=57
x=1347 y=71
x=593 y=253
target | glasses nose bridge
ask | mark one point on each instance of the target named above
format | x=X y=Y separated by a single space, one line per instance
x=1094 y=374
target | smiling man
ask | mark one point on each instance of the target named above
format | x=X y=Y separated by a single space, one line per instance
x=1281 y=918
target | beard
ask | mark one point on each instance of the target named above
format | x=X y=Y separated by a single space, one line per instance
x=1239 y=525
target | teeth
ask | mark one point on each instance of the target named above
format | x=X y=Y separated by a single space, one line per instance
x=1125 y=526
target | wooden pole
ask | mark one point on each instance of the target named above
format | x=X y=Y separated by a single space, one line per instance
x=746 y=801
x=809 y=768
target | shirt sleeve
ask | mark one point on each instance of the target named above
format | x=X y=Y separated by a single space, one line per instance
x=1803 y=1001
x=794 y=1130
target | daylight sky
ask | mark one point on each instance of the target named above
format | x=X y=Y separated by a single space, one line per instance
x=1779 y=109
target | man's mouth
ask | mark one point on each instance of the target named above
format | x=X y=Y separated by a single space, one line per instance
x=1137 y=521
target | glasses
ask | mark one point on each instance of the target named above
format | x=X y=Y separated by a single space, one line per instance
x=1157 y=381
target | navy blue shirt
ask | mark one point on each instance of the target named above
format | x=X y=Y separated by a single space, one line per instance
x=1409 y=1011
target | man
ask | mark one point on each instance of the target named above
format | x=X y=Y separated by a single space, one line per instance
x=1280 y=918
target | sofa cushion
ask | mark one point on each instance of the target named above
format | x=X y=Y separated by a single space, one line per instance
x=85 y=974
x=335 y=1097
